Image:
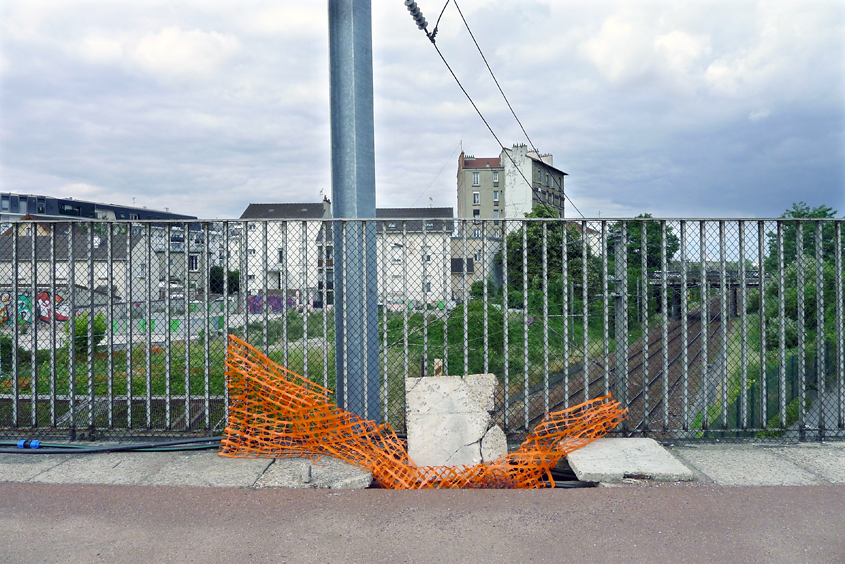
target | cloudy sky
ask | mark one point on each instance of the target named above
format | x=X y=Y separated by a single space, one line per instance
x=681 y=109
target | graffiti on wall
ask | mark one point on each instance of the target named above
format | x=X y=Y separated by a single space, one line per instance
x=56 y=307
x=46 y=307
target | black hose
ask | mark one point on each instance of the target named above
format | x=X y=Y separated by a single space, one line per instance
x=140 y=447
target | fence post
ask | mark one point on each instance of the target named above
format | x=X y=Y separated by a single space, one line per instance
x=620 y=331
x=354 y=196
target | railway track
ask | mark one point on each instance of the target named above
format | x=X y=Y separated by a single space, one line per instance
x=658 y=388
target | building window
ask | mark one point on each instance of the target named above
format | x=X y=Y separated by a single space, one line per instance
x=281 y=256
x=250 y=251
x=476 y=198
x=252 y=227
x=476 y=214
x=61 y=271
x=193 y=263
x=134 y=216
x=495 y=214
x=547 y=179
x=495 y=197
x=476 y=233
x=496 y=177
x=102 y=271
x=476 y=181
x=477 y=256
x=426 y=286
x=250 y=277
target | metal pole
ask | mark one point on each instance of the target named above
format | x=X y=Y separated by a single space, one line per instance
x=354 y=196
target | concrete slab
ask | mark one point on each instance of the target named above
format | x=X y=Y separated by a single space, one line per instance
x=26 y=467
x=114 y=468
x=745 y=465
x=323 y=472
x=612 y=460
x=207 y=469
x=826 y=460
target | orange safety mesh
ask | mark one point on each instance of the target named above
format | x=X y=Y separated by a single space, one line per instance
x=275 y=413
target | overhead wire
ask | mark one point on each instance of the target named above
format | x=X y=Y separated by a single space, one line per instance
x=436 y=176
x=431 y=37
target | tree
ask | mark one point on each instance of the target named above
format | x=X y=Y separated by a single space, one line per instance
x=554 y=252
x=634 y=230
x=216 y=282
x=80 y=332
x=790 y=231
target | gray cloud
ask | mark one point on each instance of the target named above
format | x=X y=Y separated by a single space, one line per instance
x=730 y=109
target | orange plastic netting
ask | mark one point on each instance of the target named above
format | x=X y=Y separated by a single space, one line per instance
x=275 y=413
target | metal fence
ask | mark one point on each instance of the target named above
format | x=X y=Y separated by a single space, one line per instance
x=703 y=328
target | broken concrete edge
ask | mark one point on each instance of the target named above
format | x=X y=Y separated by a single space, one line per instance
x=614 y=460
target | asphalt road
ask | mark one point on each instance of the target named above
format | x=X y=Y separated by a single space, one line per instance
x=650 y=524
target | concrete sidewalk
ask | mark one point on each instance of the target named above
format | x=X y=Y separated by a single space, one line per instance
x=621 y=462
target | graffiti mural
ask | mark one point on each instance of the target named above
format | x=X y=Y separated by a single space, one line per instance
x=24 y=308
x=5 y=300
x=45 y=308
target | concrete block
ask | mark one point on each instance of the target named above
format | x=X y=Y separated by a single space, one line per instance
x=322 y=472
x=207 y=469
x=494 y=444
x=447 y=418
x=826 y=460
x=612 y=460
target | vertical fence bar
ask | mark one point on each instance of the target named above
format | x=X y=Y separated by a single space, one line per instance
x=723 y=323
x=485 y=319
x=33 y=308
x=645 y=320
x=840 y=323
x=781 y=328
x=545 y=319
x=130 y=366
x=447 y=286
x=244 y=283
x=91 y=310
x=241 y=285
x=405 y=298
x=605 y=303
x=564 y=286
x=585 y=311
x=305 y=299
x=684 y=330
x=743 y=327
x=525 y=387
x=265 y=294
x=386 y=287
x=761 y=282
x=206 y=283
x=187 y=309
x=365 y=318
x=620 y=315
x=821 y=365
x=168 y=308
x=424 y=255
x=148 y=338
x=53 y=305
x=465 y=285
x=71 y=328
x=109 y=324
x=505 y=347
x=802 y=355
x=325 y=297
x=284 y=287
x=704 y=322
x=664 y=323
x=344 y=322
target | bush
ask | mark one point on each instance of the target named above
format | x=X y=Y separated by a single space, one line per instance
x=80 y=332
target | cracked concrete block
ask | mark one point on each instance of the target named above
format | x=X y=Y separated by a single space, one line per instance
x=494 y=444
x=448 y=417
x=322 y=472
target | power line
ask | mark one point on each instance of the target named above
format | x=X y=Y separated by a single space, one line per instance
x=480 y=52
x=422 y=24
